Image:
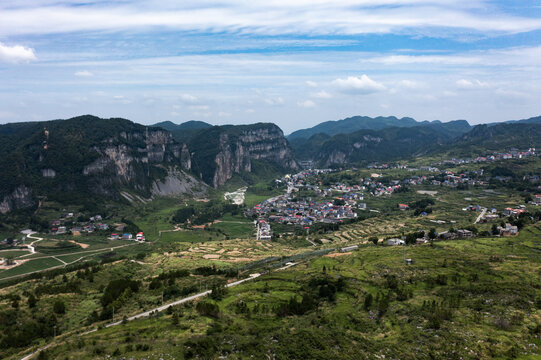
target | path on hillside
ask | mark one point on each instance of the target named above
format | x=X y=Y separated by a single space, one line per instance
x=31 y=245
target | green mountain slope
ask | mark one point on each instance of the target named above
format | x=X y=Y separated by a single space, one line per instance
x=352 y=124
x=371 y=145
x=82 y=157
x=484 y=138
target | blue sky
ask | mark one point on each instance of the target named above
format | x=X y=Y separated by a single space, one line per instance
x=295 y=63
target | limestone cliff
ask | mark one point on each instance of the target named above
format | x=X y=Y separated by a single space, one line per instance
x=85 y=157
x=222 y=151
x=20 y=198
x=89 y=159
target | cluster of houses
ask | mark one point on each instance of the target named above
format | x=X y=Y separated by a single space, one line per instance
x=512 y=154
x=128 y=236
x=510 y=211
x=95 y=223
x=287 y=209
x=283 y=209
x=263 y=230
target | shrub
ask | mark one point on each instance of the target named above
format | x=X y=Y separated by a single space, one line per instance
x=59 y=307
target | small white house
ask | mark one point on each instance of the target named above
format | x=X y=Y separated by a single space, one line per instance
x=395 y=242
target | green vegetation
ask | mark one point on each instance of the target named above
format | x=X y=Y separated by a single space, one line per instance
x=470 y=298
x=459 y=299
x=203 y=213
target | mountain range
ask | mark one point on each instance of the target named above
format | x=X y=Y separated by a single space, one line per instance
x=362 y=139
x=87 y=159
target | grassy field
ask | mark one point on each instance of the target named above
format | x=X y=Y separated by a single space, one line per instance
x=30 y=266
x=13 y=253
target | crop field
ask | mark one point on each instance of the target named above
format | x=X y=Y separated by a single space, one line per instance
x=13 y=253
x=31 y=266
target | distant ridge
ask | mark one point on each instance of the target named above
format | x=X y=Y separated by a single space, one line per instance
x=355 y=123
x=532 y=120
x=192 y=124
x=184 y=131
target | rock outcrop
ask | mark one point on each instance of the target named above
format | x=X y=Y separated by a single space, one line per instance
x=20 y=198
x=178 y=182
x=224 y=151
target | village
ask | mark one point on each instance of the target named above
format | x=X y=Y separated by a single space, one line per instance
x=307 y=201
x=66 y=224
x=513 y=153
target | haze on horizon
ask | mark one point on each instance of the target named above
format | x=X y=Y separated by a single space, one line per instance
x=294 y=63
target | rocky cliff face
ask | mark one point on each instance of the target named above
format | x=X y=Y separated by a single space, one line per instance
x=139 y=150
x=20 y=198
x=237 y=149
x=83 y=157
x=86 y=156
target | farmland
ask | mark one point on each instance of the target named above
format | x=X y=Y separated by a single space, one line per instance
x=481 y=296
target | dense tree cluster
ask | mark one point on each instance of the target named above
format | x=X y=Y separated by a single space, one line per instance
x=202 y=213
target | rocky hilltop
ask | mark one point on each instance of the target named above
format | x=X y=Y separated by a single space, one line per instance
x=222 y=151
x=87 y=158
x=66 y=160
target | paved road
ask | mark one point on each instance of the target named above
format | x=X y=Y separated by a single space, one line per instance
x=481 y=215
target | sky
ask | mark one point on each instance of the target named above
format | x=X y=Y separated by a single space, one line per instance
x=292 y=62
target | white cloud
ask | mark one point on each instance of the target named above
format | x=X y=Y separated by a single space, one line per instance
x=271 y=17
x=358 y=85
x=311 y=83
x=426 y=59
x=203 y=114
x=121 y=99
x=276 y=101
x=471 y=84
x=306 y=104
x=511 y=94
x=410 y=84
x=188 y=99
x=449 y=93
x=321 y=95
x=84 y=73
x=198 y=107
x=16 y=54
x=224 y=114
x=249 y=111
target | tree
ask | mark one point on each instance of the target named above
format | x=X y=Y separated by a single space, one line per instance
x=411 y=238
x=218 y=291
x=432 y=234
x=9 y=260
x=32 y=301
x=373 y=239
x=174 y=319
x=59 y=307
x=368 y=300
